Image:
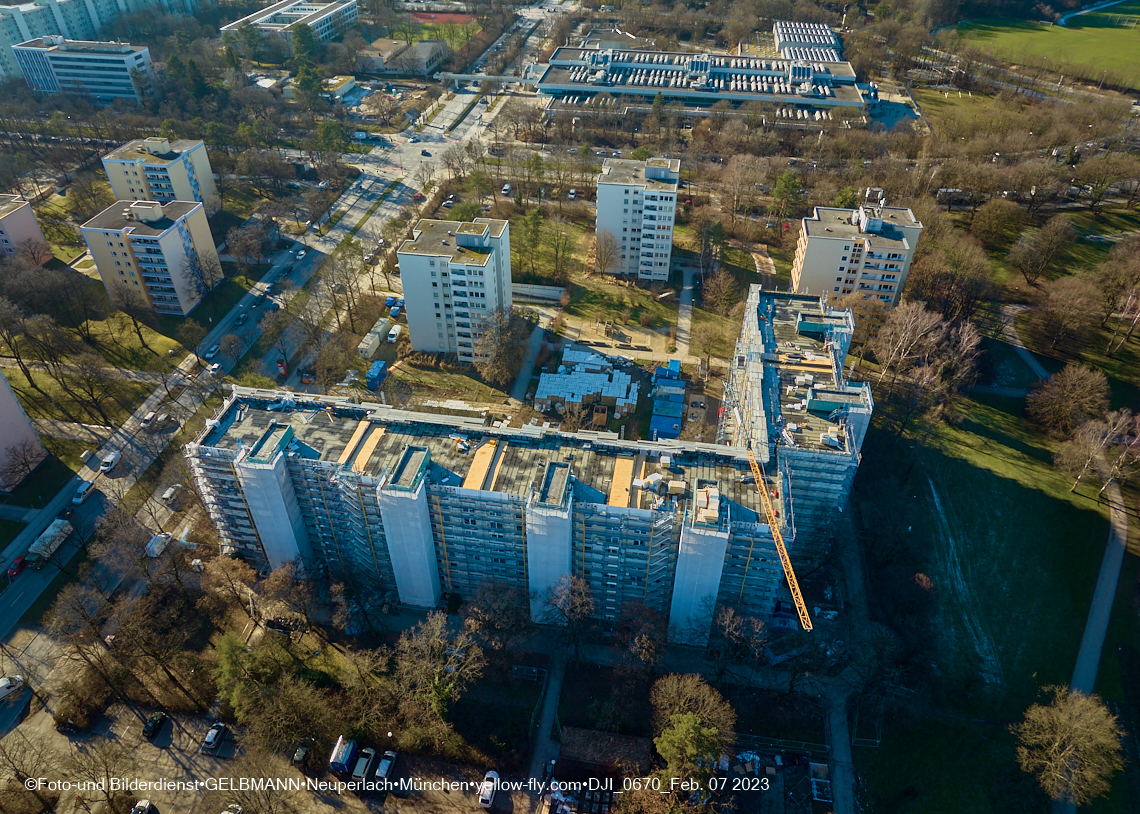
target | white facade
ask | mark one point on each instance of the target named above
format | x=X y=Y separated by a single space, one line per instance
x=18 y=431
x=273 y=508
x=18 y=225
x=865 y=251
x=158 y=169
x=700 y=562
x=328 y=20
x=454 y=275
x=146 y=250
x=548 y=533
x=72 y=19
x=102 y=71
x=637 y=205
x=407 y=525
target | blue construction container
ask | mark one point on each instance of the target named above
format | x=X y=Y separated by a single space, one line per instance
x=376 y=375
x=342 y=755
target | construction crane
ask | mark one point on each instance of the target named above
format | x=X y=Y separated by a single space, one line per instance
x=785 y=560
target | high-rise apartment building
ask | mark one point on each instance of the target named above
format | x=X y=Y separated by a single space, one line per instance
x=70 y=19
x=20 y=233
x=158 y=169
x=158 y=254
x=20 y=447
x=454 y=274
x=102 y=71
x=865 y=251
x=405 y=505
x=637 y=204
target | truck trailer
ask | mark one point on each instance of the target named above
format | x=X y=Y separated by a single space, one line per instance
x=342 y=755
x=48 y=543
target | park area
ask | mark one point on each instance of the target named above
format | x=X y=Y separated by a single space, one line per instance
x=1102 y=44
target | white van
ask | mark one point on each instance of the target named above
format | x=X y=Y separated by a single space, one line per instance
x=170 y=496
x=83 y=491
x=506 y=189
x=394 y=334
x=148 y=419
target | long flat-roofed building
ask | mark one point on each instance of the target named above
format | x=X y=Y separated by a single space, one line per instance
x=408 y=505
x=328 y=20
x=101 y=71
x=803 y=80
x=158 y=169
x=865 y=251
x=156 y=254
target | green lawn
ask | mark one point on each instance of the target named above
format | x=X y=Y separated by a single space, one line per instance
x=936 y=105
x=1013 y=557
x=68 y=451
x=1084 y=47
x=42 y=485
x=444 y=384
x=8 y=531
x=126 y=396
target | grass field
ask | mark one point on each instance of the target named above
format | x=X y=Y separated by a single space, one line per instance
x=1013 y=557
x=1086 y=47
x=126 y=395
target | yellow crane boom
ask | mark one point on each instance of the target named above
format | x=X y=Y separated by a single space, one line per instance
x=785 y=560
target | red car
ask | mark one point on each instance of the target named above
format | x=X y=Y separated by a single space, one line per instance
x=17 y=565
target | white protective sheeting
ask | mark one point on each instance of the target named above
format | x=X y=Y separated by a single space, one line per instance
x=411 y=546
x=700 y=560
x=273 y=505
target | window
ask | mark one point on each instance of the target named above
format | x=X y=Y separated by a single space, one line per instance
x=433 y=273
x=435 y=285
x=431 y=263
x=837 y=289
x=109 y=243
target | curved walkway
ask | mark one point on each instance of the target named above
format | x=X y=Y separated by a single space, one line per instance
x=1096 y=626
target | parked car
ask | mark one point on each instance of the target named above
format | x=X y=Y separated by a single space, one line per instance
x=154 y=725
x=386 y=769
x=214 y=737
x=301 y=254
x=487 y=789
x=215 y=369
x=17 y=565
x=83 y=491
x=572 y=194
x=323 y=185
x=242 y=318
x=363 y=761
x=425 y=153
x=148 y=419
x=109 y=461
x=143 y=807
x=506 y=189
x=170 y=496
x=448 y=204
x=212 y=352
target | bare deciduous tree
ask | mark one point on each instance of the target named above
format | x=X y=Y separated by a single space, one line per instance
x=1067 y=399
x=607 y=251
x=1072 y=746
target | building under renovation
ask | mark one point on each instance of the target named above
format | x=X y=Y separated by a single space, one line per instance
x=408 y=505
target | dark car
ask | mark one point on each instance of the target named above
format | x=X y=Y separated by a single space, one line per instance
x=17 y=565
x=154 y=725
x=425 y=153
x=241 y=320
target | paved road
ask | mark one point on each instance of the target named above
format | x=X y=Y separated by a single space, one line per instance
x=545 y=747
x=685 y=311
x=69 y=429
x=518 y=392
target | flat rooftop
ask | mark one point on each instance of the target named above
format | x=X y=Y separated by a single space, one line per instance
x=462 y=455
x=625 y=171
x=806 y=378
x=136 y=150
x=81 y=46
x=10 y=203
x=841 y=224
x=280 y=16
x=436 y=238
x=111 y=218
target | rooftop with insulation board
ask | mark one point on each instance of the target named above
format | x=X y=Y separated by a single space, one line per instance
x=374 y=439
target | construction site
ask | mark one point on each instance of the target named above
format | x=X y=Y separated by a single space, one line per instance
x=411 y=505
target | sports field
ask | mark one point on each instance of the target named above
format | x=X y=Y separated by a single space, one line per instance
x=1087 y=47
x=441 y=18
